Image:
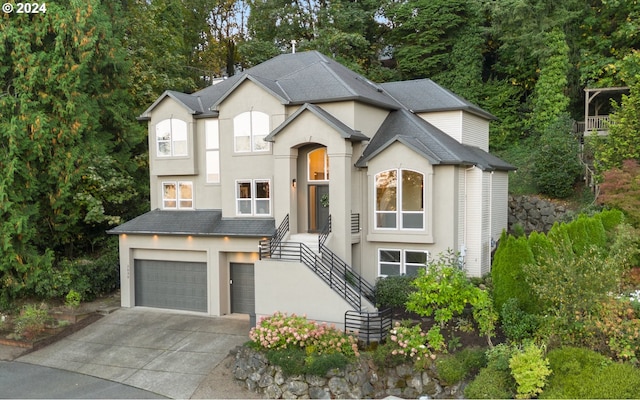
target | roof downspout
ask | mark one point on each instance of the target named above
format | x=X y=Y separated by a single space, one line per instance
x=463 y=246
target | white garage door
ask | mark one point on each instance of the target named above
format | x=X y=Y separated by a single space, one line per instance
x=175 y=285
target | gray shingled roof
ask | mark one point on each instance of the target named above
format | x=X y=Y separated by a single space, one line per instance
x=339 y=126
x=433 y=144
x=424 y=95
x=196 y=223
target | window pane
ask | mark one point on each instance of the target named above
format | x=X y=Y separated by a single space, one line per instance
x=262 y=190
x=186 y=191
x=386 y=186
x=169 y=195
x=259 y=144
x=316 y=165
x=211 y=135
x=412 y=184
x=416 y=257
x=179 y=137
x=386 y=220
x=244 y=207
x=213 y=166
x=164 y=148
x=413 y=270
x=262 y=207
x=244 y=190
x=242 y=132
x=259 y=123
x=389 y=269
x=390 y=256
x=412 y=220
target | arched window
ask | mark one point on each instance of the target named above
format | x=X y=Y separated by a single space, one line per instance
x=249 y=130
x=399 y=199
x=318 y=163
x=171 y=138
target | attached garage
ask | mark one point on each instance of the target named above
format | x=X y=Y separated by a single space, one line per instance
x=177 y=285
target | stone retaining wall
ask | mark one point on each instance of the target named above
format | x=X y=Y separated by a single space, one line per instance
x=361 y=380
x=535 y=214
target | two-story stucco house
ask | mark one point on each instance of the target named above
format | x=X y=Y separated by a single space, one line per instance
x=246 y=173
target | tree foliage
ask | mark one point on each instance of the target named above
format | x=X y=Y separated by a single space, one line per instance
x=64 y=118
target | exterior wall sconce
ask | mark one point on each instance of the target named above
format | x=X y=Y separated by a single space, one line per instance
x=293 y=183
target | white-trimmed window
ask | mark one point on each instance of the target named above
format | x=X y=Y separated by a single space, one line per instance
x=212 y=144
x=392 y=262
x=399 y=199
x=318 y=165
x=253 y=197
x=171 y=138
x=177 y=195
x=249 y=130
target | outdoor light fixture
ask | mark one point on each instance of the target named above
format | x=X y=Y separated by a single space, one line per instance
x=293 y=183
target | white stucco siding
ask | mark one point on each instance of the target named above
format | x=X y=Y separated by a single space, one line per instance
x=475 y=131
x=291 y=287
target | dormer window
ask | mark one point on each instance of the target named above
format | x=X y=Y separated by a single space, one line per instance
x=171 y=138
x=249 y=130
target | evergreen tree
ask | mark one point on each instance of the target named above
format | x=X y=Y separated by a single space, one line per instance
x=65 y=143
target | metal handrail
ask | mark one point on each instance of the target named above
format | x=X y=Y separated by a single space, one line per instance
x=369 y=326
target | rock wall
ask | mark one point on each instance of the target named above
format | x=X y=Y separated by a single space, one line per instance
x=533 y=213
x=362 y=380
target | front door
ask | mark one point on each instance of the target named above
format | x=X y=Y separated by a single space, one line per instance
x=318 y=207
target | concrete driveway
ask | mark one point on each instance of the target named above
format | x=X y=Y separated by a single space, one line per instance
x=166 y=353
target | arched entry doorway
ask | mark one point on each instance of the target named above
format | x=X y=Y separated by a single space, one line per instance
x=317 y=188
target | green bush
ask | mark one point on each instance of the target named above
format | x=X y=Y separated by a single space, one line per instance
x=556 y=165
x=393 y=291
x=583 y=373
x=291 y=360
x=455 y=367
x=517 y=325
x=610 y=219
x=491 y=383
x=31 y=321
x=530 y=369
x=295 y=361
x=321 y=364
x=507 y=274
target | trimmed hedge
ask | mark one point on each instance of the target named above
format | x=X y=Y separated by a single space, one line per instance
x=507 y=274
x=580 y=373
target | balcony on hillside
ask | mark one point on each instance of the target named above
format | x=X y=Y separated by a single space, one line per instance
x=597 y=106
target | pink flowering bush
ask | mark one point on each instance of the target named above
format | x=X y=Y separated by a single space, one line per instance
x=281 y=331
x=408 y=343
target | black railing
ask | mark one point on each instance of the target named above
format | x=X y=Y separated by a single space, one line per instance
x=355 y=223
x=368 y=326
x=324 y=234
x=327 y=265
x=272 y=245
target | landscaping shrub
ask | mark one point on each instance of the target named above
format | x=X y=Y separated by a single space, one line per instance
x=455 y=367
x=443 y=291
x=507 y=275
x=407 y=343
x=280 y=331
x=517 y=324
x=530 y=369
x=31 y=321
x=490 y=383
x=583 y=373
x=295 y=361
x=393 y=291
